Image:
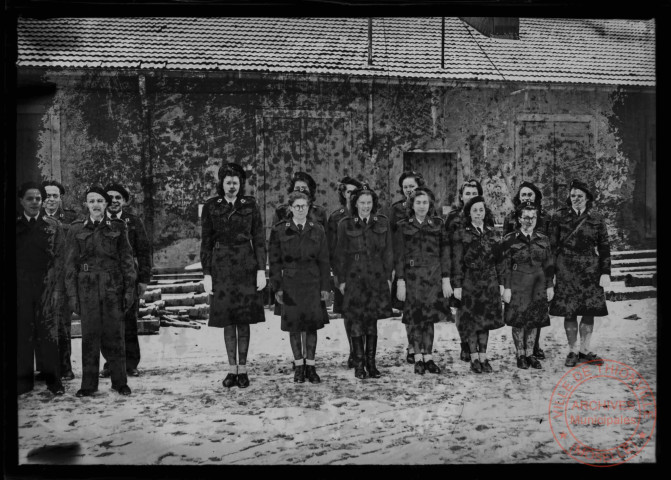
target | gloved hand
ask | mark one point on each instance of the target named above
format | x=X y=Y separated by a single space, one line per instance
x=207 y=283
x=507 y=294
x=73 y=303
x=604 y=281
x=324 y=296
x=501 y=289
x=341 y=287
x=260 y=280
x=141 y=288
x=551 y=294
x=278 y=297
x=457 y=293
x=400 y=290
x=447 y=288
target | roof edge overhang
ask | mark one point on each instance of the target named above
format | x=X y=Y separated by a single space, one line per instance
x=74 y=73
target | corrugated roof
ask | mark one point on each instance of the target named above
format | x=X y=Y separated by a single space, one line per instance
x=607 y=52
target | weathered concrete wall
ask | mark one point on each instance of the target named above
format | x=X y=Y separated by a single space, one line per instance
x=501 y=135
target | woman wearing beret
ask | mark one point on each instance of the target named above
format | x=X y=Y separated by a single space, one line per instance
x=233 y=255
x=407 y=183
x=363 y=265
x=422 y=269
x=100 y=283
x=528 y=192
x=527 y=265
x=469 y=189
x=580 y=243
x=478 y=281
x=345 y=188
x=300 y=276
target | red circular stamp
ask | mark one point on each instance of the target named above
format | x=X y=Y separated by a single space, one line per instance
x=602 y=415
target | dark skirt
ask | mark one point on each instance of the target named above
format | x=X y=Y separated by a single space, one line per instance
x=365 y=301
x=424 y=300
x=302 y=307
x=480 y=303
x=235 y=300
x=577 y=291
x=528 y=307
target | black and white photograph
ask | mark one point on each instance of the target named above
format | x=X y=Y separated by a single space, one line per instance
x=339 y=239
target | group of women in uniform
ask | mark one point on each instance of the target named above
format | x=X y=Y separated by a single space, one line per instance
x=427 y=263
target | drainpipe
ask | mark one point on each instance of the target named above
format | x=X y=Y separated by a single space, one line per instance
x=146 y=166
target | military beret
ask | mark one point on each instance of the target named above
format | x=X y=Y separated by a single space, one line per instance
x=98 y=189
x=581 y=186
x=410 y=173
x=231 y=169
x=534 y=188
x=302 y=176
x=350 y=181
x=115 y=187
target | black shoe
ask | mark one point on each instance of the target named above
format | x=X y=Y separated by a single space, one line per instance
x=40 y=377
x=85 y=392
x=590 y=357
x=133 y=372
x=299 y=374
x=123 y=390
x=243 y=380
x=311 y=373
x=539 y=353
x=350 y=361
x=486 y=367
x=409 y=357
x=571 y=360
x=419 y=367
x=431 y=367
x=105 y=373
x=357 y=348
x=371 y=350
x=230 y=380
x=57 y=389
x=522 y=362
x=533 y=362
x=476 y=366
x=68 y=375
x=465 y=354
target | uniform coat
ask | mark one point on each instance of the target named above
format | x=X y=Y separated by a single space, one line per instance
x=39 y=277
x=364 y=261
x=421 y=259
x=232 y=250
x=137 y=236
x=100 y=276
x=65 y=217
x=299 y=267
x=332 y=239
x=528 y=267
x=580 y=260
x=478 y=273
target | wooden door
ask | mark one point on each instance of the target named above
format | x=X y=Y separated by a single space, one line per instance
x=439 y=170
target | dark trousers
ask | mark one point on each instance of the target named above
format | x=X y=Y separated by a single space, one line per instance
x=130 y=336
x=102 y=320
x=65 y=338
x=37 y=331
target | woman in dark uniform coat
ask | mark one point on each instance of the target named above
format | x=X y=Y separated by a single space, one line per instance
x=422 y=269
x=478 y=281
x=363 y=265
x=580 y=243
x=469 y=189
x=528 y=192
x=345 y=188
x=300 y=276
x=100 y=283
x=233 y=256
x=528 y=268
x=407 y=182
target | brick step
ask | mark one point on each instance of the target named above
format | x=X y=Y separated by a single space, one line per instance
x=169 y=288
x=636 y=279
x=634 y=269
x=145 y=326
x=176 y=277
x=633 y=262
x=185 y=299
x=628 y=254
x=196 y=311
x=618 y=291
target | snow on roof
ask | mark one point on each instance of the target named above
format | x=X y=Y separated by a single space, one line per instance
x=591 y=51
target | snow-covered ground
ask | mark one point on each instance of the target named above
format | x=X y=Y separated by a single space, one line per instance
x=179 y=413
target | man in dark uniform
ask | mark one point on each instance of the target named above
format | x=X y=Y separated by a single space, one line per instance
x=53 y=208
x=39 y=275
x=137 y=236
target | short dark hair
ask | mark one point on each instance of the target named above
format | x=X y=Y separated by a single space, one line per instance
x=364 y=190
x=23 y=189
x=469 y=183
x=416 y=193
x=342 y=187
x=304 y=177
x=418 y=177
x=534 y=188
x=54 y=183
x=293 y=196
x=231 y=170
x=469 y=205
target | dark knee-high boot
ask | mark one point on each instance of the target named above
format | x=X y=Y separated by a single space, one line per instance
x=371 y=348
x=357 y=346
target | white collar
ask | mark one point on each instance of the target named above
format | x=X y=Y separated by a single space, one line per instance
x=481 y=228
x=50 y=214
x=29 y=217
x=118 y=214
x=301 y=224
x=367 y=219
x=420 y=221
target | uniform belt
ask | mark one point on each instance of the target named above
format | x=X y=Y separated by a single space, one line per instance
x=235 y=244
x=87 y=267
